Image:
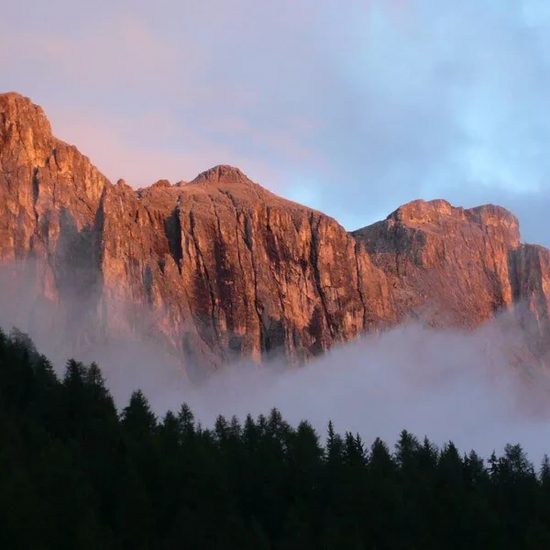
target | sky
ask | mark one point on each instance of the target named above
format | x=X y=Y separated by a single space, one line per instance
x=352 y=107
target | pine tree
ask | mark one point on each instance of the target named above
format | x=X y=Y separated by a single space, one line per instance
x=137 y=418
x=75 y=474
x=186 y=423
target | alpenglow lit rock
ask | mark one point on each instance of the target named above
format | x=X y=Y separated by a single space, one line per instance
x=219 y=268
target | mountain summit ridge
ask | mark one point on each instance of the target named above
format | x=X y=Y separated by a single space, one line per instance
x=229 y=270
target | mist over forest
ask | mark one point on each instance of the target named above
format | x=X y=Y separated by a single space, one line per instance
x=477 y=388
x=83 y=474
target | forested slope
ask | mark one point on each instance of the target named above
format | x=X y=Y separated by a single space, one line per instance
x=77 y=473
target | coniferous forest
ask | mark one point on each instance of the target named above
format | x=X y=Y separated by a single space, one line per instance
x=76 y=473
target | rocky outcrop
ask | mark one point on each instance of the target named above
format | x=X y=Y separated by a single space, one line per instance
x=220 y=268
x=447 y=265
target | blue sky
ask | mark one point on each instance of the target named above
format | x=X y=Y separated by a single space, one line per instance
x=353 y=107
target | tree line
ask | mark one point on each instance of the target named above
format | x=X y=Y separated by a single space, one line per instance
x=76 y=473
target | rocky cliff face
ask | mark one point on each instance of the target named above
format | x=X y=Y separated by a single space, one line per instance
x=225 y=269
x=449 y=266
x=530 y=274
x=235 y=269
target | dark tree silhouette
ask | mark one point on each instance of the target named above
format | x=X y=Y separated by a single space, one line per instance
x=74 y=473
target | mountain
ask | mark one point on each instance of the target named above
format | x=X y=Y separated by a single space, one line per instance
x=219 y=268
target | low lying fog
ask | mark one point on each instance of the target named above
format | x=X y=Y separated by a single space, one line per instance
x=449 y=385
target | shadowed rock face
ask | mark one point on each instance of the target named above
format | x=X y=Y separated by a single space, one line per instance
x=225 y=269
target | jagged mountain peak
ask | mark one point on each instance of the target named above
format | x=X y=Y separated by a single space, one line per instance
x=222 y=174
x=18 y=101
x=20 y=112
x=25 y=131
x=439 y=210
x=419 y=208
x=440 y=217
